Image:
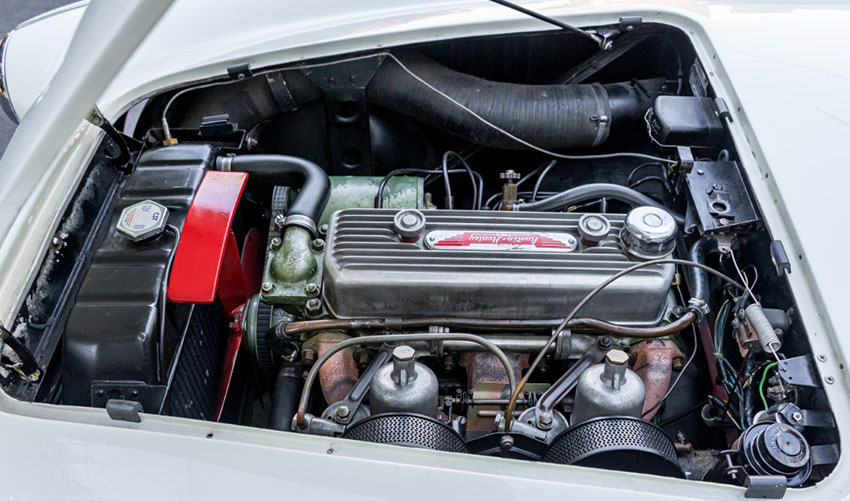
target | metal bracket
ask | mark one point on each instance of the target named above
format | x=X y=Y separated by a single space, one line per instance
x=346 y=112
x=800 y=371
x=550 y=399
x=720 y=197
x=779 y=258
x=124 y=410
x=358 y=392
x=765 y=486
x=240 y=71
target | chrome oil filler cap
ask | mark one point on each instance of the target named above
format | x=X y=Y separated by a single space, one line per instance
x=648 y=233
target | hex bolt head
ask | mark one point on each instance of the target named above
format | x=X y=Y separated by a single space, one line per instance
x=797 y=416
x=318 y=244
x=617 y=357
x=404 y=353
x=308 y=357
x=313 y=306
x=323 y=229
x=506 y=443
x=276 y=243
x=267 y=287
x=312 y=289
x=544 y=420
x=343 y=412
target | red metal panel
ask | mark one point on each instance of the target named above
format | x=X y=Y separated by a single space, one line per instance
x=197 y=267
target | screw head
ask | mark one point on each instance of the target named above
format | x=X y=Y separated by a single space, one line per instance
x=821 y=358
x=700 y=172
x=276 y=243
x=279 y=220
x=506 y=443
x=267 y=287
x=311 y=289
x=829 y=379
x=318 y=244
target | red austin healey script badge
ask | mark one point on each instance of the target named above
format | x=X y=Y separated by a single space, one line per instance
x=501 y=240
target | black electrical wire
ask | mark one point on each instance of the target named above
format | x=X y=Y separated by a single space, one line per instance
x=379 y=199
x=546 y=170
x=476 y=204
x=642 y=166
x=163 y=293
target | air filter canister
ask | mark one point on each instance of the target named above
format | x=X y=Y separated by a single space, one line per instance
x=408 y=430
x=616 y=443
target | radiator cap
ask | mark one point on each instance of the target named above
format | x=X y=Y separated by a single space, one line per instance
x=143 y=220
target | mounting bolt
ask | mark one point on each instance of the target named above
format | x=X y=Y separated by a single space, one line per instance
x=605 y=342
x=829 y=379
x=362 y=357
x=544 y=420
x=313 y=307
x=821 y=358
x=797 y=416
x=506 y=443
x=700 y=172
x=318 y=244
x=343 y=412
x=279 y=220
x=678 y=364
x=311 y=289
x=308 y=357
x=267 y=287
x=276 y=243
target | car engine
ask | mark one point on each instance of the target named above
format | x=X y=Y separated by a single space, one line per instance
x=489 y=246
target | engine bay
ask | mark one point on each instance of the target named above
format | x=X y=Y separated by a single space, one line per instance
x=516 y=246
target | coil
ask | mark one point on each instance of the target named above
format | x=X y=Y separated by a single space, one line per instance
x=764 y=330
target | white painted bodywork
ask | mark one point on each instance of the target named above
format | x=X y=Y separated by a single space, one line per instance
x=780 y=67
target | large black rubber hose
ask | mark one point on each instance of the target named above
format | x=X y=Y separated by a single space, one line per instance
x=287 y=390
x=309 y=179
x=697 y=278
x=596 y=190
x=549 y=116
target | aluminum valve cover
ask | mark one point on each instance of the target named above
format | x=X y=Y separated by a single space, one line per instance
x=511 y=265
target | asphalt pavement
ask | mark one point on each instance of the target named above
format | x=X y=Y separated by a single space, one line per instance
x=13 y=12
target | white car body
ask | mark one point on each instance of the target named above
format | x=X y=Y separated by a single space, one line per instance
x=780 y=67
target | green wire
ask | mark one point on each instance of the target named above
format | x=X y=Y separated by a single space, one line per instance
x=763 y=379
